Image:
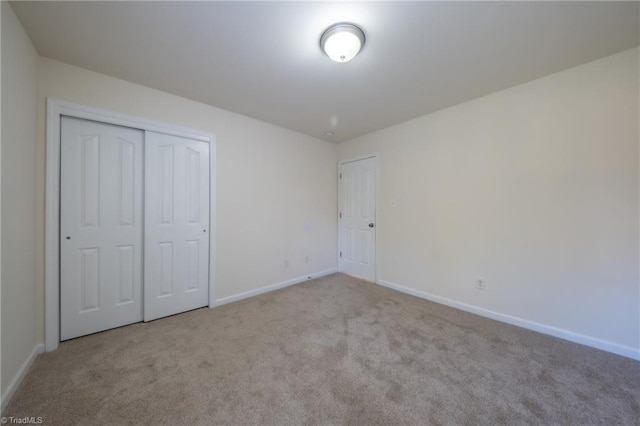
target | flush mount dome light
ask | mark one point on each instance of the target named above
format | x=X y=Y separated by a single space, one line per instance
x=342 y=42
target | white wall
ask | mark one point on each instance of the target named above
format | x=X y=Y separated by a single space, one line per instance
x=19 y=61
x=276 y=189
x=534 y=188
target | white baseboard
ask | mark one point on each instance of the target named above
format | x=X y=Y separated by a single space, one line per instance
x=604 y=345
x=273 y=287
x=24 y=369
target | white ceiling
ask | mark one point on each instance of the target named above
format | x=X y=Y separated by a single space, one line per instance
x=263 y=59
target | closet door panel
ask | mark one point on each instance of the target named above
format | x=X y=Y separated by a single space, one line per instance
x=176 y=225
x=100 y=226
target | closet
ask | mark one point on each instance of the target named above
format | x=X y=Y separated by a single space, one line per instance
x=134 y=225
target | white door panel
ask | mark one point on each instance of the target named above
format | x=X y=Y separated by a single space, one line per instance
x=101 y=227
x=358 y=218
x=176 y=225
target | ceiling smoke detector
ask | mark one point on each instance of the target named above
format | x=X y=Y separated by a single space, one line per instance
x=342 y=42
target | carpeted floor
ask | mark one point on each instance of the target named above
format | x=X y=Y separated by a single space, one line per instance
x=335 y=350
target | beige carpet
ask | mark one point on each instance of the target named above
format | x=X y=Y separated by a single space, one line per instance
x=335 y=350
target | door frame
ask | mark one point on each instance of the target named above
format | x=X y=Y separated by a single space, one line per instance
x=376 y=157
x=56 y=109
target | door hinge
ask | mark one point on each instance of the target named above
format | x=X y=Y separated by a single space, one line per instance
x=340 y=215
x=340 y=175
x=340 y=254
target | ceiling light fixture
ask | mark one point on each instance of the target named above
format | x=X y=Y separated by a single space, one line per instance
x=342 y=42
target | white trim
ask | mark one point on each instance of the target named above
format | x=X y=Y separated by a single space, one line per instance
x=212 y=221
x=375 y=156
x=52 y=229
x=126 y=120
x=22 y=372
x=273 y=287
x=626 y=351
x=55 y=110
x=360 y=158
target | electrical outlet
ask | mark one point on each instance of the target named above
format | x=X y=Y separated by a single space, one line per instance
x=285 y=263
x=480 y=284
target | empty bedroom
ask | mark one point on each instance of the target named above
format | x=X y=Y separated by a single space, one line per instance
x=320 y=213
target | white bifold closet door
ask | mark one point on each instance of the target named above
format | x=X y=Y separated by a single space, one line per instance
x=134 y=226
x=101 y=230
x=176 y=225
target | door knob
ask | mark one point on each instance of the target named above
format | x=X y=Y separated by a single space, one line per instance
x=371 y=225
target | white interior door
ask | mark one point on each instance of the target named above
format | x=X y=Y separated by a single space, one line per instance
x=176 y=225
x=358 y=218
x=100 y=227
